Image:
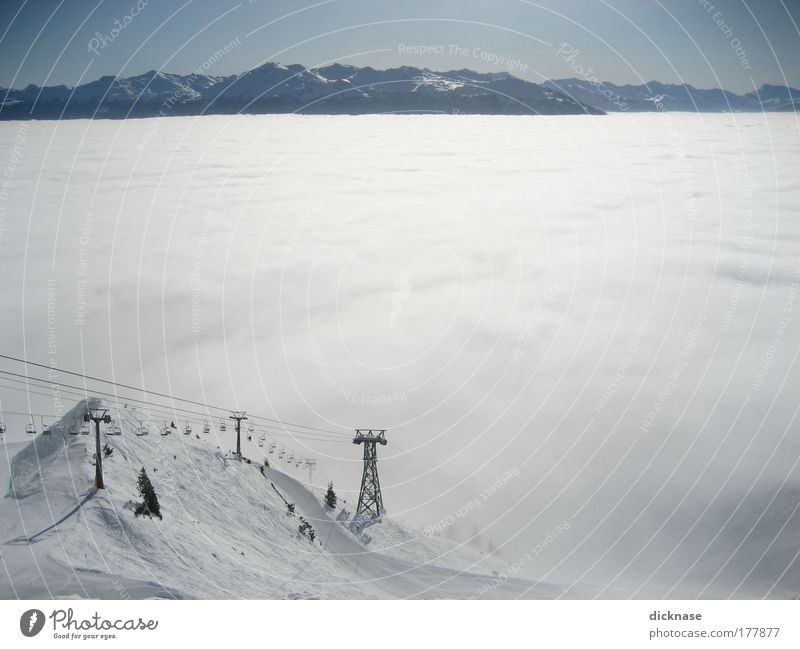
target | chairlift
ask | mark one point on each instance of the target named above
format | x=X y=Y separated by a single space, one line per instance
x=206 y=427
x=261 y=442
x=250 y=427
x=116 y=429
x=166 y=430
x=281 y=453
x=290 y=458
x=141 y=431
x=85 y=429
x=30 y=428
x=298 y=461
x=45 y=427
x=2 y=429
x=272 y=447
x=222 y=425
x=187 y=430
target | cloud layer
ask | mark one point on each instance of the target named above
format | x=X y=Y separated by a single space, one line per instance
x=604 y=307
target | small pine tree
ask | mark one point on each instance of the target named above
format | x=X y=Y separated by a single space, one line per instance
x=149 y=506
x=330 y=497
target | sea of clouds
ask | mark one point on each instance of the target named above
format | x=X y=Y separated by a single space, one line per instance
x=580 y=332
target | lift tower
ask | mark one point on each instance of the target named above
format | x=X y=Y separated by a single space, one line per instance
x=370 y=501
x=98 y=417
x=238 y=416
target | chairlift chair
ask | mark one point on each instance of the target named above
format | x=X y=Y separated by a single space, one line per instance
x=85 y=429
x=271 y=447
x=166 y=429
x=116 y=429
x=187 y=430
x=298 y=461
x=30 y=429
x=281 y=453
x=222 y=425
x=45 y=428
x=206 y=427
x=290 y=458
x=141 y=431
x=2 y=429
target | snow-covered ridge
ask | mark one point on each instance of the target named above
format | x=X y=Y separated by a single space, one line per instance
x=276 y=88
x=656 y=96
x=225 y=533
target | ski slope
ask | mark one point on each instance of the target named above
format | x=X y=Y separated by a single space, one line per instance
x=225 y=533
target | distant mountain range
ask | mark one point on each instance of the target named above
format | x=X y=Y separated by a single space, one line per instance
x=345 y=89
x=275 y=88
x=675 y=97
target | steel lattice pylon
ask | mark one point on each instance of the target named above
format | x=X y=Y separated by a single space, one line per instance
x=370 y=500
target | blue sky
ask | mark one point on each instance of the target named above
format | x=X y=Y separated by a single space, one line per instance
x=734 y=44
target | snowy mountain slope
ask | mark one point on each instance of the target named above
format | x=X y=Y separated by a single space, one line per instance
x=151 y=86
x=277 y=88
x=775 y=98
x=225 y=533
x=654 y=96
